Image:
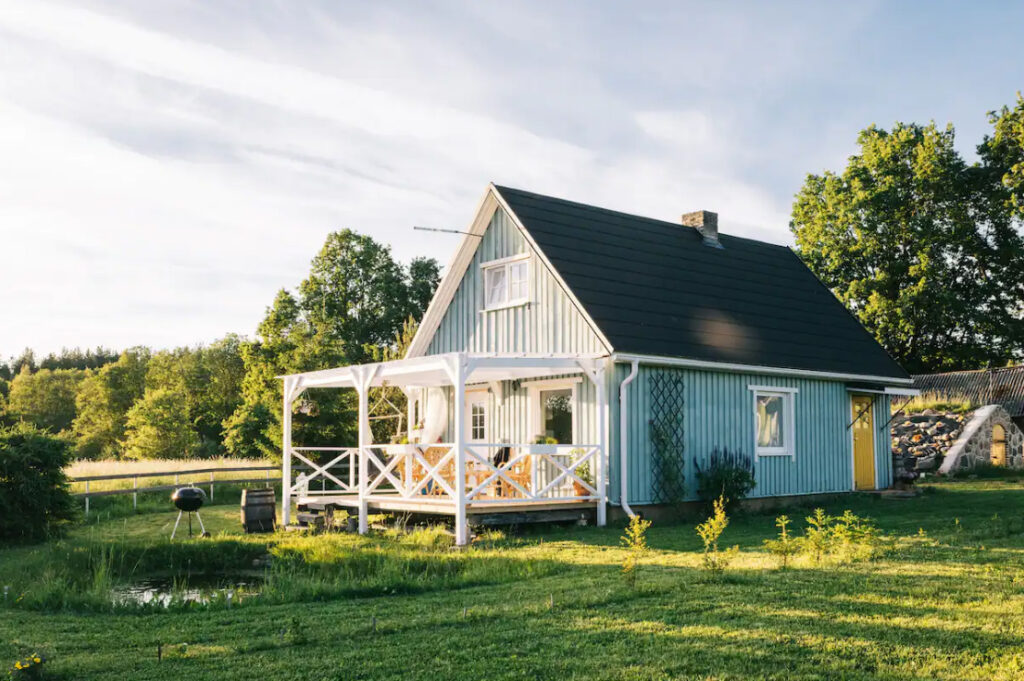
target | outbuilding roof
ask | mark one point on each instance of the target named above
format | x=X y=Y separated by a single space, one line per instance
x=655 y=288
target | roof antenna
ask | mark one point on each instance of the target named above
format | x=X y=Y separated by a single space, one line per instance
x=447 y=231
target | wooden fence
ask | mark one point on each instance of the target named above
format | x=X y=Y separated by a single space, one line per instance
x=268 y=478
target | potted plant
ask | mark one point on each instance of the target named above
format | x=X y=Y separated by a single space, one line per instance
x=583 y=473
x=544 y=445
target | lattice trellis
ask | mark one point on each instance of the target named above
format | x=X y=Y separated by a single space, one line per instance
x=667 y=437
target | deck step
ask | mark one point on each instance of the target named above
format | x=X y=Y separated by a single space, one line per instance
x=307 y=519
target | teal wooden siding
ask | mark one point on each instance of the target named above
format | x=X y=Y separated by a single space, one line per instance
x=883 y=442
x=549 y=323
x=718 y=412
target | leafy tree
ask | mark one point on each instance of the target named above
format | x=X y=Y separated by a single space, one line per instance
x=27 y=358
x=348 y=310
x=209 y=379
x=34 y=495
x=103 y=401
x=158 y=427
x=46 y=398
x=1003 y=152
x=920 y=247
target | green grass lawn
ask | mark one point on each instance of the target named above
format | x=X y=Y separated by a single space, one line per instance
x=946 y=601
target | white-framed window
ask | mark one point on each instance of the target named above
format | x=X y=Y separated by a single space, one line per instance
x=506 y=282
x=476 y=416
x=774 y=421
x=553 y=409
x=478 y=422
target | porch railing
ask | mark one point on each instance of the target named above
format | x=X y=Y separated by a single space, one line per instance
x=495 y=473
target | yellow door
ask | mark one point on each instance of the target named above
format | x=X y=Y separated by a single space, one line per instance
x=998 y=445
x=863 y=443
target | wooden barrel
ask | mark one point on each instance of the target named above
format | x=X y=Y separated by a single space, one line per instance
x=259 y=510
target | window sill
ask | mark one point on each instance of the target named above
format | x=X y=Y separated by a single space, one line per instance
x=506 y=306
x=764 y=454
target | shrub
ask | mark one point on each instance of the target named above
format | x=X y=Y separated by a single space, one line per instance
x=817 y=537
x=635 y=541
x=845 y=537
x=786 y=545
x=715 y=560
x=729 y=476
x=34 y=496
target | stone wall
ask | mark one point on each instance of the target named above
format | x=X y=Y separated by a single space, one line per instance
x=947 y=442
x=920 y=441
x=974 y=446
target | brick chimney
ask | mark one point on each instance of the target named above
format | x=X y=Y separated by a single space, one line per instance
x=705 y=222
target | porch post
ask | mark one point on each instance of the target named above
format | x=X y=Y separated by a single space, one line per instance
x=459 y=381
x=362 y=387
x=286 y=452
x=602 y=455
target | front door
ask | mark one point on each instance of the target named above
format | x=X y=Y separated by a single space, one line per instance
x=863 y=443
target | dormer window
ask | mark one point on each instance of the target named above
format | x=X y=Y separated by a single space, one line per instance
x=506 y=282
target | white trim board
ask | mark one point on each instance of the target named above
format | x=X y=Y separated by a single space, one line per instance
x=752 y=369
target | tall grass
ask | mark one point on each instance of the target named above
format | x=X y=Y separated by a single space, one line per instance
x=86 y=468
x=81 y=574
x=956 y=403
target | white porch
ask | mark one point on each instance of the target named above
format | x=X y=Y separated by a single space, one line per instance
x=467 y=472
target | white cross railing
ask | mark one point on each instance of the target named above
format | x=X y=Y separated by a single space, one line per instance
x=495 y=473
x=345 y=464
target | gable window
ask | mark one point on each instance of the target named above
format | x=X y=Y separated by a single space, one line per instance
x=506 y=282
x=774 y=421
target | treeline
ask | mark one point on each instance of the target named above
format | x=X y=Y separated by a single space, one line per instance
x=223 y=398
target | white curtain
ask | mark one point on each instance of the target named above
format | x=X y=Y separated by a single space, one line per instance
x=435 y=421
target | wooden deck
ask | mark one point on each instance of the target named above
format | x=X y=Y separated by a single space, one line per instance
x=441 y=506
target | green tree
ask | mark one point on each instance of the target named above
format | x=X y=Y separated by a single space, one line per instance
x=103 y=401
x=45 y=398
x=920 y=247
x=1003 y=152
x=349 y=309
x=158 y=427
x=34 y=495
x=209 y=380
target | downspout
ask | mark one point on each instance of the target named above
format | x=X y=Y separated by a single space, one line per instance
x=623 y=416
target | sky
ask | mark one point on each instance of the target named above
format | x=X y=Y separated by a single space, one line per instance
x=166 y=167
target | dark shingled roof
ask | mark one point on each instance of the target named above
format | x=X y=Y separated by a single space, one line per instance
x=654 y=288
x=1004 y=387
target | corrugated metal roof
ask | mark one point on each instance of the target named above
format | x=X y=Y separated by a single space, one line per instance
x=1003 y=386
x=654 y=288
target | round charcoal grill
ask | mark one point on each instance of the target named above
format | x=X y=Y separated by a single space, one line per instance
x=188 y=500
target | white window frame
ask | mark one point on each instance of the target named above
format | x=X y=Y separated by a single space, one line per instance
x=534 y=390
x=788 y=396
x=481 y=399
x=506 y=264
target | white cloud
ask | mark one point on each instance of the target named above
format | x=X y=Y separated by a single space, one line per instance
x=167 y=168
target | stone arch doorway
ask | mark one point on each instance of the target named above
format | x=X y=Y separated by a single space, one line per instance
x=998 y=445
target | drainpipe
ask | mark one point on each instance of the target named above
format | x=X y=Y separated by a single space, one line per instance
x=623 y=416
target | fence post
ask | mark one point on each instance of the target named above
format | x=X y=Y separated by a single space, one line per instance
x=86 y=497
x=175 y=478
x=135 y=494
x=211 y=485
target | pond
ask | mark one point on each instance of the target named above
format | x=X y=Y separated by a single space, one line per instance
x=200 y=588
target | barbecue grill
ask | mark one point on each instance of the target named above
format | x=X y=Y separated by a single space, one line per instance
x=189 y=500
